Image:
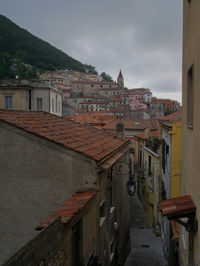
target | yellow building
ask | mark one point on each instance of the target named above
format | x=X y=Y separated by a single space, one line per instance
x=171 y=157
x=190 y=163
x=147 y=173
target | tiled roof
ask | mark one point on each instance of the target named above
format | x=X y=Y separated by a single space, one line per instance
x=134 y=124
x=161 y=100
x=171 y=117
x=115 y=100
x=69 y=209
x=91 y=119
x=180 y=206
x=153 y=133
x=91 y=142
x=61 y=86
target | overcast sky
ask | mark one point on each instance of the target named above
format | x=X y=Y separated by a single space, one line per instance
x=142 y=37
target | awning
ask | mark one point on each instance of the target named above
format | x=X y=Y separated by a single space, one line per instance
x=177 y=208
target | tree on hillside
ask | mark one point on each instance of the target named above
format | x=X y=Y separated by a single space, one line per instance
x=106 y=77
x=91 y=69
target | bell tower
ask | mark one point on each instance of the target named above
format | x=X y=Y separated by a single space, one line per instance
x=120 y=80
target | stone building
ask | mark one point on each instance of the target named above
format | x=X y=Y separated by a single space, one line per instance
x=89 y=87
x=45 y=159
x=33 y=95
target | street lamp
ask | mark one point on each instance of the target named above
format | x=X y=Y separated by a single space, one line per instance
x=131 y=184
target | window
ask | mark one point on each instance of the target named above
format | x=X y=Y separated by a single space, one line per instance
x=102 y=213
x=163 y=155
x=149 y=166
x=39 y=104
x=77 y=244
x=59 y=106
x=52 y=105
x=190 y=95
x=8 y=102
x=56 y=103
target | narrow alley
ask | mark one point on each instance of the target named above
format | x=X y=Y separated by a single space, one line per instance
x=146 y=247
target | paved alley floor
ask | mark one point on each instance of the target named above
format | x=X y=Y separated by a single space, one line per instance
x=146 y=247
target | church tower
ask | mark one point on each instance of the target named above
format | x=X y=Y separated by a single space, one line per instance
x=120 y=80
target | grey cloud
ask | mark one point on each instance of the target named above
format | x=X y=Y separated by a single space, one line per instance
x=142 y=37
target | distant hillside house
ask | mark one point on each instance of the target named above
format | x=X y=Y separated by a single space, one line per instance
x=88 y=87
x=30 y=95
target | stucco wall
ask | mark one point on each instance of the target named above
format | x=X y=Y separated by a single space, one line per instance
x=190 y=166
x=29 y=166
x=53 y=245
x=20 y=98
x=52 y=96
x=40 y=93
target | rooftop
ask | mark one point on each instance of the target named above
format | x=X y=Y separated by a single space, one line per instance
x=177 y=207
x=69 y=209
x=171 y=117
x=91 y=142
x=134 y=124
x=92 y=119
x=115 y=99
x=153 y=133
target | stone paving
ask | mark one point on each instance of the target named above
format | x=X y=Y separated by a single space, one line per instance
x=146 y=247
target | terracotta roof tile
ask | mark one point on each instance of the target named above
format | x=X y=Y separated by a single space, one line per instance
x=171 y=117
x=70 y=134
x=95 y=119
x=115 y=99
x=179 y=206
x=133 y=124
x=69 y=209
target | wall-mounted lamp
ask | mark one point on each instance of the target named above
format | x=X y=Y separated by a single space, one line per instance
x=131 y=184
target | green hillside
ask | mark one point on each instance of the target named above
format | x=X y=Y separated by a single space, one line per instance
x=23 y=54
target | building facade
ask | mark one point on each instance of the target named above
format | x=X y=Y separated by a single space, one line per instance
x=190 y=166
x=30 y=96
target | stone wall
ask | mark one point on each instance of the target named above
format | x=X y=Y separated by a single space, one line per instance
x=53 y=245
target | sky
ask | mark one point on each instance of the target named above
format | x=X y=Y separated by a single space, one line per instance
x=143 y=38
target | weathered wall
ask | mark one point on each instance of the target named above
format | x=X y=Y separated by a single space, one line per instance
x=52 y=96
x=40 y=93
x=53 y=245
x=20 y=98
x=190 y=166
x=29 y=166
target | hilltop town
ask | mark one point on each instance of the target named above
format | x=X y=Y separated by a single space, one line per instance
x=96 y=143
x=94 y=173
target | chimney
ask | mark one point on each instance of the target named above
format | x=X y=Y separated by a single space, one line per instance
x=120 y=130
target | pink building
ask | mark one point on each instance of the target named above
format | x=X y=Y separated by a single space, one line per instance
x=66 y=91
x=136 y=102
